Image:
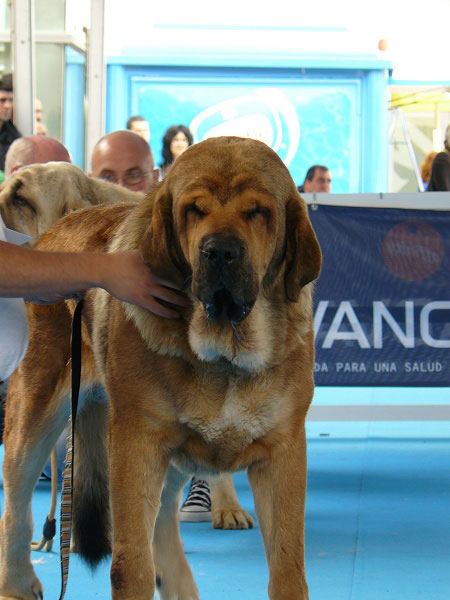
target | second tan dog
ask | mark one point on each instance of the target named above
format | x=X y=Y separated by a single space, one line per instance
x=36 y=196
x=225 y=387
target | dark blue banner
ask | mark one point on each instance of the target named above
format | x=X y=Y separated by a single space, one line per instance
x=382 y=302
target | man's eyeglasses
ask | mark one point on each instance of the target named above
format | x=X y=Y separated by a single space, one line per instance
x=130 y=178
x=5 y=100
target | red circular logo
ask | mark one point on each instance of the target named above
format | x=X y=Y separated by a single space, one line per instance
x=413 y=250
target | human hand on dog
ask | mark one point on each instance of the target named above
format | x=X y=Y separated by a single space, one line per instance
x=127 y=278
x=49 y=277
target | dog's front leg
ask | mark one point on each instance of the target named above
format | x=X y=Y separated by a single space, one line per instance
x=138 y=467
x=279 y=488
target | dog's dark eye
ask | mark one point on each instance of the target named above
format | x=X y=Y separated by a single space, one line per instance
x=21 y=202
x=257 y=211
x=195 y=210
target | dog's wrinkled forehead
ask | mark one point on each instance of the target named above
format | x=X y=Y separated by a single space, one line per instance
x=225 y=164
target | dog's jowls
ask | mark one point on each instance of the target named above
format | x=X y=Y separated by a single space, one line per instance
x=225 y=387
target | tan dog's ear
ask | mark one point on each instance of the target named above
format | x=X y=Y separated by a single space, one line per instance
x=97 y=191
x=303 y=255
x=159 y=247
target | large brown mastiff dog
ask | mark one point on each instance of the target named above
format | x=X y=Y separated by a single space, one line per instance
x=225 y=387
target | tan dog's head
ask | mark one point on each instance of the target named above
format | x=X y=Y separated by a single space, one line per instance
x=36 y=196
x=229 y=216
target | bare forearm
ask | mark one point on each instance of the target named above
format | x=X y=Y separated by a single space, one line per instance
x=52 y=276
x=31 y=273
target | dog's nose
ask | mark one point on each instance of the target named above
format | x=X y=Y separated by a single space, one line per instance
x=221 y=250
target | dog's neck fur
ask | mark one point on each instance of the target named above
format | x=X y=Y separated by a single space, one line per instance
x=263 y=340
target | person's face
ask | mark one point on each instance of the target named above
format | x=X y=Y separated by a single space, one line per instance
x=320 y=183
x=141 y=128
x=6 y=105
x=178 y=144
x=122 y=163
x=41 y=129
x=38 y=111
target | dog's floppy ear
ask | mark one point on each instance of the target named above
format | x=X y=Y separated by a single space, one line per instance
x=95 y=191
x=303 y=255
x=160 y=248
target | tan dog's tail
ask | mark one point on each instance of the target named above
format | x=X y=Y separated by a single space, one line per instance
x=91 y=507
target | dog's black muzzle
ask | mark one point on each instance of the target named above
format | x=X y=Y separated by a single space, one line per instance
x=224 y=279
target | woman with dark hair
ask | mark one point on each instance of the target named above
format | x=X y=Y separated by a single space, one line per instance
x=175 y=141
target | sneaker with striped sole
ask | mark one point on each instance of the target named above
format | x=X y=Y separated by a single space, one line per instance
x=197 y=506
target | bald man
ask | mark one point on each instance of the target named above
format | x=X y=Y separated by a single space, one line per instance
x=34 y=149
x=125 y=158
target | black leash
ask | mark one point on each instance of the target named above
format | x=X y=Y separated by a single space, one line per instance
x=67 y=485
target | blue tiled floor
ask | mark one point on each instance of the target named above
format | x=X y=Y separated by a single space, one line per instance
x=377 y=523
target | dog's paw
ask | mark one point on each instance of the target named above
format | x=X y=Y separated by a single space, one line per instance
x=167 y=589
x=231 y=518
x=21 y=592
x=36 y=593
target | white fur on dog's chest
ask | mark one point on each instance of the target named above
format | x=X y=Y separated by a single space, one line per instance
x=236 y=419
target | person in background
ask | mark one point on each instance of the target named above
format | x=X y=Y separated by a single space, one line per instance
x=39 y=125
x=125 y=158
x=140 y=126
x=425 y=168
x=38 y=111
x=8 y=131
x=33 y=149
x=440 y=169
x=317 y=180
x=41 y=129
x=175 y=141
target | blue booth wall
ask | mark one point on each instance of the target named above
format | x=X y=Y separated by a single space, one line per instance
x=315 y=115
x=327 y=109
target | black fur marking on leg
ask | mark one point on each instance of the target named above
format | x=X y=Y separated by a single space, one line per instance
x=117 y=579
x=158 y=581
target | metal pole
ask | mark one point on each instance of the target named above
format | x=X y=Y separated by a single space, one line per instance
x=96 y=78
x=22 y=41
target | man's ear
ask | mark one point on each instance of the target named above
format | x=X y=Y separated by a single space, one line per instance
x=160 y=248
x=303 y=255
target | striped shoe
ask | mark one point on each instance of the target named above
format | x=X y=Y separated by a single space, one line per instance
x=197 y=506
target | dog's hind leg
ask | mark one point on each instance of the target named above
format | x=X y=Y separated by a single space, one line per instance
x=36 y=413
x=227 y=513
x=173 y=574
x=33 y=425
